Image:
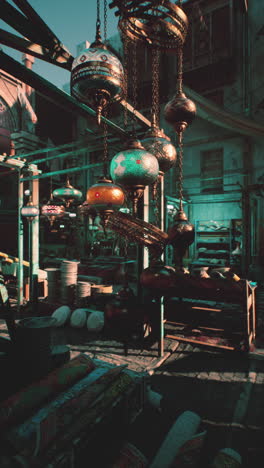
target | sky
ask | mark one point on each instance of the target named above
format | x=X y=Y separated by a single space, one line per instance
x=72 y=21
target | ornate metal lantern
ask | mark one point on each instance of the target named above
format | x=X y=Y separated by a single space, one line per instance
x=30 y=211
x=97 y=76
x=105 y=197
x=180 y=236
x=134 y=169
x=68 y=193
x=52 y=211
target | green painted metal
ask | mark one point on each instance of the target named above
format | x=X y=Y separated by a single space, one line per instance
x=34 y=242
x=63 y=171
x=61 y=156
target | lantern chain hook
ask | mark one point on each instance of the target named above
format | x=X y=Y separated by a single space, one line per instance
x=98 y=20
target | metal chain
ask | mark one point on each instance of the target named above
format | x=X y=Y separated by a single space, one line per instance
x=98 y=21
x=180 y=70
x=134 y=82
x=155 y=83
x=105 y=20
x=125 y=45
x=105 y=142
x=180 y=165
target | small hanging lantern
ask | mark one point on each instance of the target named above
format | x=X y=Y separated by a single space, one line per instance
x=52 y=211
x=134 y=169
x=29 y=211
x=105 y=197
x=97 y=76
x=68 y=193
x=180 y=236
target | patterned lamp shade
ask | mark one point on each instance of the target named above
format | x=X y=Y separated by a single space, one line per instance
x=97 y=77
x=180 y=112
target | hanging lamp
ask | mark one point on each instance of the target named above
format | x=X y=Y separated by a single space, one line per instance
x=51 y=210
x=30 y=211
x=180 y=113
x=134 y=169
x=97 y=75
x=68 y=194
x=105 y=196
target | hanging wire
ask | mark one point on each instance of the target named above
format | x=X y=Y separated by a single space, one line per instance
x=98 y=15
x=155 y=83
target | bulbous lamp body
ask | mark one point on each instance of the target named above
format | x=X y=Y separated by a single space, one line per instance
x=180 y=235
x=52 y=212
x=104 y=195
x=158 y=144
x=180 y=112
x=134 y=167
x=68 y=194
x=29 y=211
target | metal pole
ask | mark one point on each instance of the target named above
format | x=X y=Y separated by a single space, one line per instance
x=20 y=246
x=161 y=340
x=63 y=171
x=34 y=248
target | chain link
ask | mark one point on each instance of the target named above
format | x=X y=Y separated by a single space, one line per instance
x=155 y=82
x=125 y=46
x=98 y=20
x=179 y=70
x=134 y=82
x=180 y=166
x=105 y=143
x=105 y=20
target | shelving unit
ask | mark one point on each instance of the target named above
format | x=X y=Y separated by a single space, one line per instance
x=215 y=241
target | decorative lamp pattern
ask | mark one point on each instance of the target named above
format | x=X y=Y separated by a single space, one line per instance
x=52 y=211
x=158 y=144
x=67 y=194
x=134 y=169
x=97 y=77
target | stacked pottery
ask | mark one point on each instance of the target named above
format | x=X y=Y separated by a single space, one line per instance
x=53 y=275
x=83 y=290
x=69 y=271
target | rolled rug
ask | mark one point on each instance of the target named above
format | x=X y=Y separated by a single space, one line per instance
x=23 y=403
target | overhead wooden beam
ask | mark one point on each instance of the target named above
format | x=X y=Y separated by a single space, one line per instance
x=55 y=57
x=55 y=95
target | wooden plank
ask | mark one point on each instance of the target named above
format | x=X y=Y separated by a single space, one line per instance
x=190 y=340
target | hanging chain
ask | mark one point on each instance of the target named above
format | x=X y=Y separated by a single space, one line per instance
x=105 y=20
x=155 y=83
x=98 y=21
x=179 y=69
x=105 y=143
x=134 y=83
x=125 y=46
x=180 y=165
